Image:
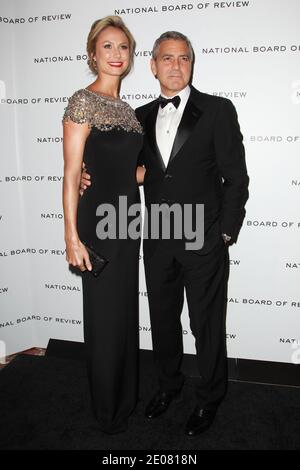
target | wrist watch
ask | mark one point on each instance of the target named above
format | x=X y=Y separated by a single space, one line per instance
x=226 y=237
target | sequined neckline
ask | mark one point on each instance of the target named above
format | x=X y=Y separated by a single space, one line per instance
x=104 y=114
x=105 y=97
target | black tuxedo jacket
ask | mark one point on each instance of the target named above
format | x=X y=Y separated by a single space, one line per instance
x=206 y=166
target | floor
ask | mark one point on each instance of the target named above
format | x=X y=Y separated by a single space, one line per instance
x=32 y=352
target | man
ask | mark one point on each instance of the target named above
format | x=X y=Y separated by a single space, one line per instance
x=193 y=154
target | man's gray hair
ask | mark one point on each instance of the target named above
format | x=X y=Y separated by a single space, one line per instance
x=172 y=35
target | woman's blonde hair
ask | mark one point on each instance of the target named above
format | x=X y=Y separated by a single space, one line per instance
x=100 y=25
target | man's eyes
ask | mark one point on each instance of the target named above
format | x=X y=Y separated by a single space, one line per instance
x=183 y=58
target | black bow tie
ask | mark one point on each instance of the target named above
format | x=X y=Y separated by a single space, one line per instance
x=164 y=101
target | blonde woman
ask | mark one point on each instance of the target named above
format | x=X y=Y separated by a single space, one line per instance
x=102 y=131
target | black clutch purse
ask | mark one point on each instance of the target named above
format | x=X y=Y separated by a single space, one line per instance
x=98 y=261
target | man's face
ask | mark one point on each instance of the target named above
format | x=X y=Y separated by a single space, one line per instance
x=172 y=66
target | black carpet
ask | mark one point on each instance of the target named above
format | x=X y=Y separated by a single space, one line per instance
x=44 y=404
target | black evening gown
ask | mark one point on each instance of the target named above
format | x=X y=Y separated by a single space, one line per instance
x=110 y=302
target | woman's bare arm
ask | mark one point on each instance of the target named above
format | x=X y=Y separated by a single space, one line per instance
x=75 y=136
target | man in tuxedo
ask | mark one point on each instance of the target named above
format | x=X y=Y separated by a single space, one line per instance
x=193 y=154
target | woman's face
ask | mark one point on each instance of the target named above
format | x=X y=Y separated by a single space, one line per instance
x=112 y=52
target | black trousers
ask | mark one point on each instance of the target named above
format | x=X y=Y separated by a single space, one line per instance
x=168 y=271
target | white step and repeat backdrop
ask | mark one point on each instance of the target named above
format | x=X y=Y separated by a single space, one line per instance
x=248 y=51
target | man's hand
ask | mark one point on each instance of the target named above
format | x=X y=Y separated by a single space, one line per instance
x=85 y=180
x=140 y=174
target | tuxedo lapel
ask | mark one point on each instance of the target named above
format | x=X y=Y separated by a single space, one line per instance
x=151 y=134
x=188 y=121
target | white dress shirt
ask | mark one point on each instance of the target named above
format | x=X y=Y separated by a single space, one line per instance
x=167 y=122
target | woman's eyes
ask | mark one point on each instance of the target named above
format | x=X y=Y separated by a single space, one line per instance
x=109 y=46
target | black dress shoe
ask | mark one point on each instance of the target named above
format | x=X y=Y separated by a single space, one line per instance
x=199 y=421
x=160 y=403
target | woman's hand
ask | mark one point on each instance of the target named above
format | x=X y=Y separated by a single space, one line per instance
x=77 y=255
x=140 y=174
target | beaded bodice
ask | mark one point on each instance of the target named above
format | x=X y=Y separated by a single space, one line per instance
x=100 y=111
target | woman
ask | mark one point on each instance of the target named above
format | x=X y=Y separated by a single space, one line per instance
x=102 y=131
